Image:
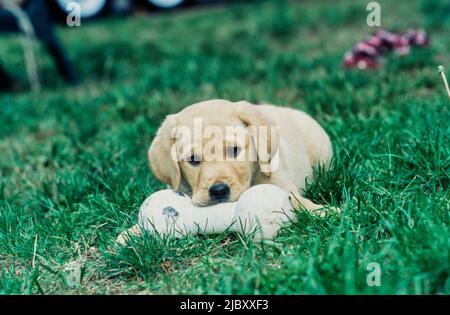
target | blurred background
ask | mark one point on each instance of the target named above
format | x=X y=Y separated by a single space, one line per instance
x=91 y=9
x=117 y=35
x=114 y=34
x=35 y=20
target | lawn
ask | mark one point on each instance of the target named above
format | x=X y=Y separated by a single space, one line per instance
x=73 y=167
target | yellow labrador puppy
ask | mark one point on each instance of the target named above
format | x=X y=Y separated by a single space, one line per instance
x=215 y=150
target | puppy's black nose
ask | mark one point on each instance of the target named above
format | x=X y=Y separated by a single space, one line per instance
x=219 y=191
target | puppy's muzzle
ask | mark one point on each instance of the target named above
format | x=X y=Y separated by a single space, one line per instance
x=219 y=192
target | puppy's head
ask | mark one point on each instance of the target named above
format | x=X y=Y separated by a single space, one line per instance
x=212 y=150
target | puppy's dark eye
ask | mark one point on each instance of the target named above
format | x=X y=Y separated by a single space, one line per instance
x=233 y=151
x=194 y=160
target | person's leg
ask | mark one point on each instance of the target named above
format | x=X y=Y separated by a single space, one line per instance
x=43 y=26
x=6 y=82
x=8 y=24
x=63 y=63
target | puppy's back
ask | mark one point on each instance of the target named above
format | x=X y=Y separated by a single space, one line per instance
x=297 y=126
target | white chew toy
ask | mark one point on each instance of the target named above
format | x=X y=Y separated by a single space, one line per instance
x=262 y=208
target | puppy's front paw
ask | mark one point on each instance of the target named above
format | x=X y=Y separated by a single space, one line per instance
x=122 y=239
x=324 y=210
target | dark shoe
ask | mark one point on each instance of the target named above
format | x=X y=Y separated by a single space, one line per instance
x=14 y=87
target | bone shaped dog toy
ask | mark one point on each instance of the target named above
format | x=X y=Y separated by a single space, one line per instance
x=261 y=209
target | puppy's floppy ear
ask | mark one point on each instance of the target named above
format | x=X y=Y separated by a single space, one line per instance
x=164 y=166
x=264 y=133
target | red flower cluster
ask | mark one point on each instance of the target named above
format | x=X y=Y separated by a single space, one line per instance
x=365 y=54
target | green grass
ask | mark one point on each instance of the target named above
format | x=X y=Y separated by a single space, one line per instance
x=73 y=168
